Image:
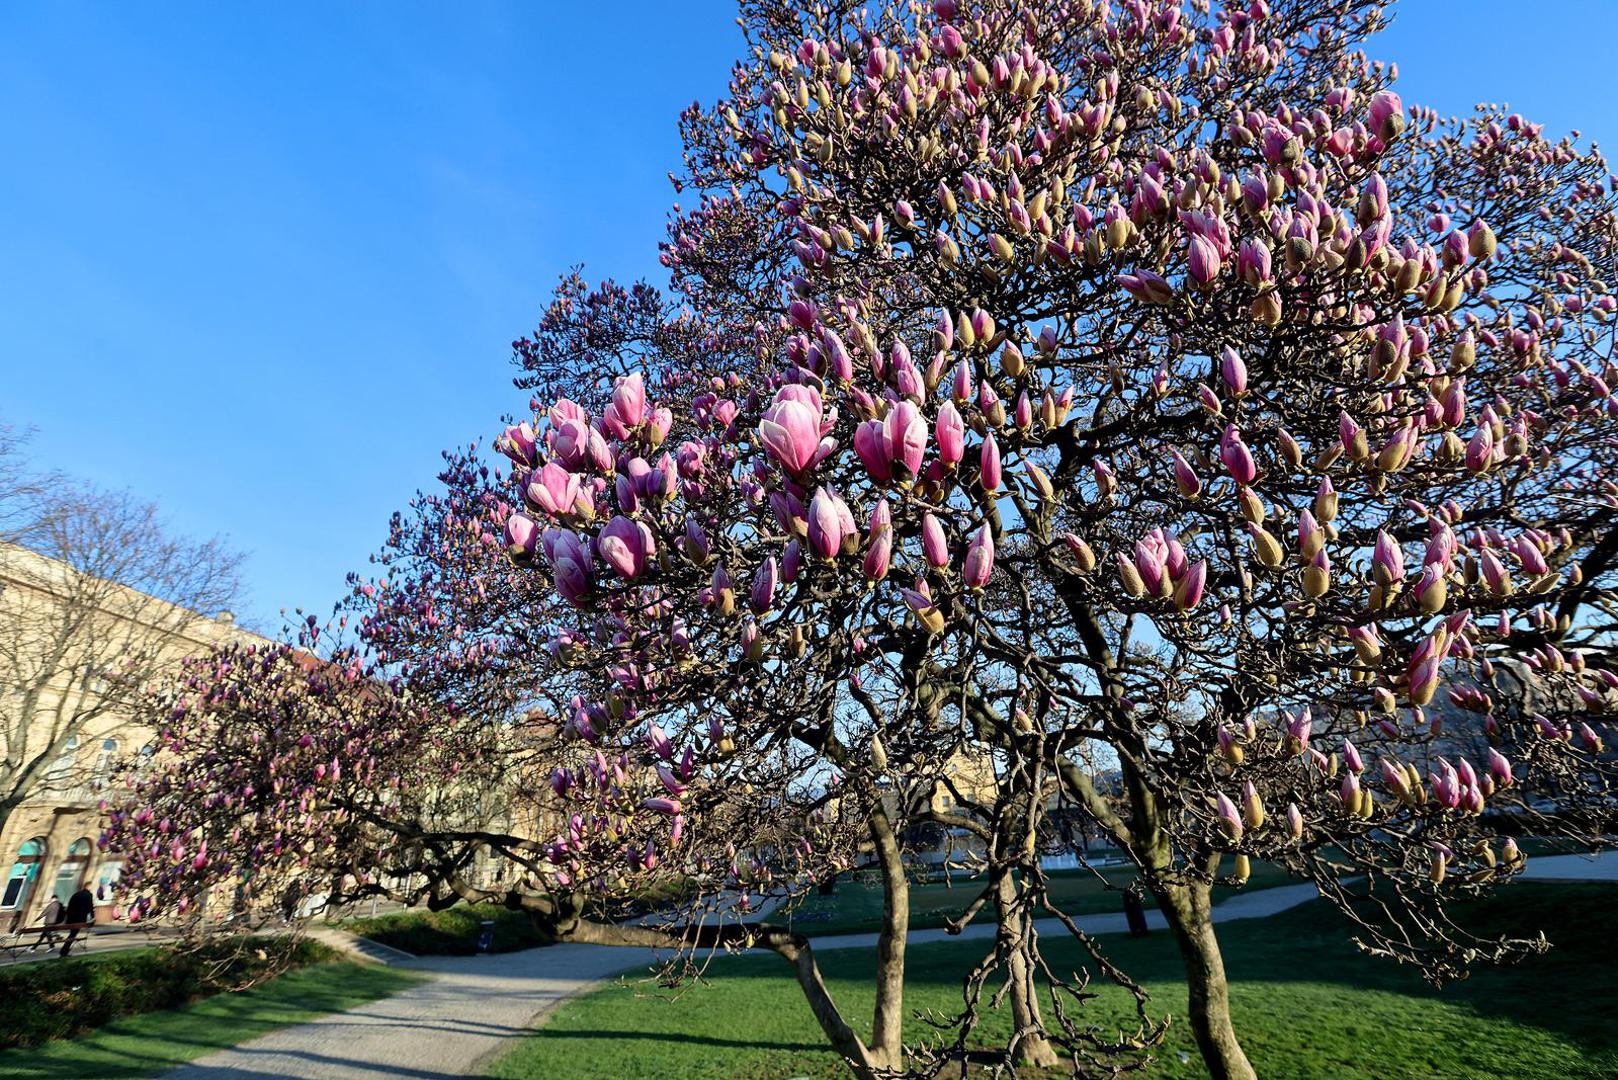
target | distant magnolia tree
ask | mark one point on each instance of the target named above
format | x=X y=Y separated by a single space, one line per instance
x=1139 y=398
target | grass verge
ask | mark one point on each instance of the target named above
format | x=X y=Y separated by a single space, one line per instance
x=150 y=1043
x=1305 y=1002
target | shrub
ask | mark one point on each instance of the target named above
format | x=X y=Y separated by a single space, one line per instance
x=60 y=999
x=451 y=932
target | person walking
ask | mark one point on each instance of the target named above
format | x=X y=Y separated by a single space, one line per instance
x=51 y=916
x=81 y=907
x=1135 y=911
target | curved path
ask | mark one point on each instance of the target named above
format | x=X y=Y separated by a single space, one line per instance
x=452 y=1024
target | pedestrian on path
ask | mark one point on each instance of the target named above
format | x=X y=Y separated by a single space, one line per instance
x=53 y=914
x=81 y=908
x=1135 y=912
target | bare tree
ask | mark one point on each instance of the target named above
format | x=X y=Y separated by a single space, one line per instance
x=97 y=599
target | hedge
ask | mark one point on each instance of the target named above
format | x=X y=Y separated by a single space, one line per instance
x=57 y=999
x=451 y=932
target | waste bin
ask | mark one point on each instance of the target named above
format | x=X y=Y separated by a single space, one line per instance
x=485 y=935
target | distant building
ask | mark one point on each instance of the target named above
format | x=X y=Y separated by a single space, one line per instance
x=48 y=841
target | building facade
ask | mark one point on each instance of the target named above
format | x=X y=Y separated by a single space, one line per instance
x=71 y=653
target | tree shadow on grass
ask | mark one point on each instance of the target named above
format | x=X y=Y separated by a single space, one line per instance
x=563 y=1036
x=1567 y=991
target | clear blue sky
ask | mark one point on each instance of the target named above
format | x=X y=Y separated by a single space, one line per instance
x=261 y=262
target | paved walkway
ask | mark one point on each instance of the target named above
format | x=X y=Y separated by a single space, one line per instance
x=447 y=1026
x=1602 y=867
x=94 y=944
x=451 y=1025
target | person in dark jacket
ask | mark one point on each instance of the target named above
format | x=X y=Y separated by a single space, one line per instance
x=81 y=907
x=1135 y=911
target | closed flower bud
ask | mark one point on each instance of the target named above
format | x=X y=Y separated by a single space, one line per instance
x=1252 y=806
x=1082 y=553
x=1229 y=818
x=1266 y=548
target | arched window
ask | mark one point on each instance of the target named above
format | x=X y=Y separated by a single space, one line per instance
x=106 y=877
x=24 y=872
x=70 y=875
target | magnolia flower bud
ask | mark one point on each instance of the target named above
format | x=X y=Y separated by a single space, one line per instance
x=1083 y=555
x=1266 y=548
x=1386 y=118
x=1293 y=453
x=1494 y=573
x=1252 y=506
x=1326 y=500
x=1040 y=481
x=1229 y=747
x=879 y=755
x=979 y=559
x=1011 y=361
x=1188 y=591
x=1185 y=477
x=1252 y=806
x=1431 y=589
x=1237 y=457
x=1130 y=577
x=752 y=642
x=989 y=464
x=1229 y=818
x=1233 y=371
x=1294 y=821
x=921 y=605
x=1499 y=767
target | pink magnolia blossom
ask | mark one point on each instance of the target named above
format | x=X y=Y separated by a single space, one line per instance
x=627 y=546
x=979 y=559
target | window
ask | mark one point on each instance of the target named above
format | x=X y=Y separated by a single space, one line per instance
x=70 y=875
x=105 y=760
x=107 y=879
x=58 y=773
x=24 y=872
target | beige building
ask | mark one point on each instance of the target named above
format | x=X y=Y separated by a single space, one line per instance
x=75 y=651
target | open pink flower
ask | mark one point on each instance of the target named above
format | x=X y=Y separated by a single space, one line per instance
x=552 y=489
x=793 y=429
x=626 y=545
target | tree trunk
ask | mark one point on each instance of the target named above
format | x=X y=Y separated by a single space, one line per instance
x=1187 y=910
x=795 y=949
x=887 y=1028
x=861 y=1059
x=1017 y=946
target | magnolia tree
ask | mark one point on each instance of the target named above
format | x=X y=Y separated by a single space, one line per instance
x=1141 y=399
x=1154 y=388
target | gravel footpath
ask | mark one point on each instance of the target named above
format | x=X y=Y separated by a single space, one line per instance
x=451 y=1025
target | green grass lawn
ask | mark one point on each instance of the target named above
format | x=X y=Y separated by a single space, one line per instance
x=1305 y=1002
x=150 y=1043
x=857 y=905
